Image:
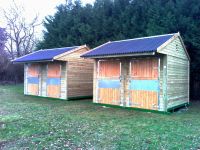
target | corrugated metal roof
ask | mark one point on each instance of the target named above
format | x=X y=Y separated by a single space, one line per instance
x=44 y=55
x=138 y=45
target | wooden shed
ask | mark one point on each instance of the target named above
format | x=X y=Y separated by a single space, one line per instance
x=148 y=73
x=58 y=73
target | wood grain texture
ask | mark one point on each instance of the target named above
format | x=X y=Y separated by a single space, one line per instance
x=53 y=91
x=109 y=68
x=43 y=77
x=144 y=69
x=33 y=70
x=177 y=81
x=144 y=99
x=175 y=48
x=109 y=96
x=25 y=79
x=33 y=89
x=79 y=74
x=54 y=70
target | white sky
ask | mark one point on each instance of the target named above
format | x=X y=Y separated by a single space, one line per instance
x=33 y=7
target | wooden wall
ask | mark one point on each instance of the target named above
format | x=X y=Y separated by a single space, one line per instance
x=109 y=82
x=25 y=79
x=172 y=75
x=44 y=75
x=32 y=79
x=68 y=76
x=177 y=73
x=144 y=83
x=79 y=74
x=177 y=81
x=43 y=79
x=146 y=97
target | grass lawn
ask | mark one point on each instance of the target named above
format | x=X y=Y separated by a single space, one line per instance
x=40 y=123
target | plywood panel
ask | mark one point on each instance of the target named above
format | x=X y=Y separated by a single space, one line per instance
x=53 y=91
x=33 y=89
x=79 y=73
x=144 y=68
x=54 y=70
x=144 y=99
x=175 y=48
x=109 y=69
x=109 y=96
x=144 y=83
x=33 y=79
x=177 y=81
x=33 y=70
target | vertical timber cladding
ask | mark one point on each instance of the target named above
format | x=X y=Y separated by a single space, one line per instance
x=144 y=83
x=108 y=82
x=53 y=80
x=33 y=79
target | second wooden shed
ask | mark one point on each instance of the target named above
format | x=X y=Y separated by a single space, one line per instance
x=148 y=73
x=58 y=73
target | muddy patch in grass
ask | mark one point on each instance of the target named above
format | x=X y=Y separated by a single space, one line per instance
x=2 y=144
x=2 y=125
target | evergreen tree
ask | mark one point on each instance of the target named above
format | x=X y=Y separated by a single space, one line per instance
x=74 y=24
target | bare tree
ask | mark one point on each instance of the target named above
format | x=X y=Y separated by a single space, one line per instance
x=20 y=33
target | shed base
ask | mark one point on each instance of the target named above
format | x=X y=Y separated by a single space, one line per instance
x=69 y=98
x=132 y=108
x=176 y=107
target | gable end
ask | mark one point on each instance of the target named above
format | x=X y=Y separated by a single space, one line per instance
x=174 y=47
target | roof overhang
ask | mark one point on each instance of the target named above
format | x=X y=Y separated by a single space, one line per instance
x=33 y=61
x=69 y=52
x=123 y=55
x=55 y=58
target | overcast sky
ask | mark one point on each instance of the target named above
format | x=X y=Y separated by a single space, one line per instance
x=33 y=7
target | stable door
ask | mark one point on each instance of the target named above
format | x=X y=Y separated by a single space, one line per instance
x=33 y=79
x=144 y=83
x=109 y=82
x=53 y=80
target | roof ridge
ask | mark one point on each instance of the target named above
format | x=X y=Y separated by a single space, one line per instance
x=146 y=37
x=56 y=48
x=95 y=48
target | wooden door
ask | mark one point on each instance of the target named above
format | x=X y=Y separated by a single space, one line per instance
x=144 y=83
x=109 y=82
x=33 y=79
x=53 y=80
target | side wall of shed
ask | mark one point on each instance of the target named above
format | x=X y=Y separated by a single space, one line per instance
x=79 y=74
x=177 y=74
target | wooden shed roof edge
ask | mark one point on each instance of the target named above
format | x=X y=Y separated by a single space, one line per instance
x=69 y=52
x=177 y=35
x=124 y=55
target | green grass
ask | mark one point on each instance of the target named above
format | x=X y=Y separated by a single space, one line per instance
x=42 y=123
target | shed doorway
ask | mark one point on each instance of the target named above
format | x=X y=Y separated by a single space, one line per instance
x=53 y=80
x=109 y=82
x=33 y=79
x=144 y=83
